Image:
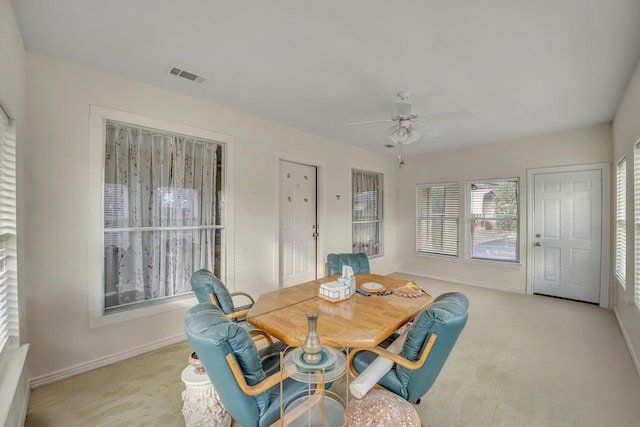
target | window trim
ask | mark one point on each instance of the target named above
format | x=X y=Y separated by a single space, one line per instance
x=468 y=251
x=97 y=121
x=436 y=254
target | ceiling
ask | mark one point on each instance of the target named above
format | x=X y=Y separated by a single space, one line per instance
x=522 y=67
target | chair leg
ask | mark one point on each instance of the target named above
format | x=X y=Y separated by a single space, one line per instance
x=417 y=402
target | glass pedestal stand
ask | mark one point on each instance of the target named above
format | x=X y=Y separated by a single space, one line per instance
x=315 y=406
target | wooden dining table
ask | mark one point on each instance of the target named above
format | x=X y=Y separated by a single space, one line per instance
x=360 y=321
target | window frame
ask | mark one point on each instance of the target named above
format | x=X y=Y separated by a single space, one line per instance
x=9 y=306
x=634 y=292
x=468 y=217
x=419 y=189
x=620 y=257
x=98 y=118
x=379 y=220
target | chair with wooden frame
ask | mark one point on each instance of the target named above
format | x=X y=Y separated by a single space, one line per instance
x=359 y=263
x=208 y=288
x=429 y=341
x=236 y=368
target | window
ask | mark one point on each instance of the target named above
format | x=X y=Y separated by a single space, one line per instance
x=621 y=221
x=158 y=213
x=636 y=222
x=437 y=219
x=161 y=220
x=492 y=220
x=8 y=272
x=367 y=218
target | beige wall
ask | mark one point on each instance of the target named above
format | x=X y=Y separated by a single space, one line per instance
x=59 y=98
x=506 y=159
x=626 y=131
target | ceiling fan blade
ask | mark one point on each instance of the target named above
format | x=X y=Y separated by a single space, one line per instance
x=429 y=131
x=369 y=123
x=403 y=108
x=464 y=114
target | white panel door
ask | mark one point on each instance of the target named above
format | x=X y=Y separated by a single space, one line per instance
x=297 y=223
x=567 y=234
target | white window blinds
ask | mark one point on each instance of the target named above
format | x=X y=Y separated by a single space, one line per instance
x=437 y=219
x=621 y=221
x=636 y=222
x=8 y=276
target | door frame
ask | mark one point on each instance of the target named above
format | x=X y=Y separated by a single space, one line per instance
x=320 y=211
x=605 y=245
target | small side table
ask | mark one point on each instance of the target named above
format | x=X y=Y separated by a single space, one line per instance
x=202 y=406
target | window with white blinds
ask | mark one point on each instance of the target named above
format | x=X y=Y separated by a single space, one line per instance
x=621 y=221
x=437 y=214
x=8 y=276
x=636 y=222
x=367 y=214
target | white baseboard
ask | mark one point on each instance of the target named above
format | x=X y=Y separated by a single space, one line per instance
x=104 y=361
x=466 y=283
x=634 y=356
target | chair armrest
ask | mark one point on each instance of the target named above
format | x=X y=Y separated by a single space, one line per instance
x=243 y=294
x=396 y=358
x=236 y=314
x=253 y=390
x=262 y=335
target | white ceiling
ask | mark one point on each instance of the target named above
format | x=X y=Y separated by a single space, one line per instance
x=522 y=67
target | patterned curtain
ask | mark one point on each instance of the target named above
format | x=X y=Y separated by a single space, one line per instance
x=159 y=213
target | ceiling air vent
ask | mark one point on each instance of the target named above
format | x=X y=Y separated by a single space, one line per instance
x=187 y=75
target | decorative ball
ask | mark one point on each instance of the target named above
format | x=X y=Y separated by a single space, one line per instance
x=381 y=408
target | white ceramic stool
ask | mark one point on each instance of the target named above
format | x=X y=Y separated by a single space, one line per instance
x=202 y=407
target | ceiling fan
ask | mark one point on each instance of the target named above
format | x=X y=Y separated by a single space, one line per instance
x=408 y=125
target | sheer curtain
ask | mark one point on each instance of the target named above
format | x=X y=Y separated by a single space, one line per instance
x=159 y=212
x=367 y=212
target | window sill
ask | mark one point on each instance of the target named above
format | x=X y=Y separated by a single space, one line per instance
x=498 y=264
x=446 y=258
x=98 y=321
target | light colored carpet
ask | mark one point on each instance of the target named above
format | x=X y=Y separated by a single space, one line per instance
x=521 y=361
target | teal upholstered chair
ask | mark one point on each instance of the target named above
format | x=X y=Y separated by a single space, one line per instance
x=359 y=263
x=430 y=339
x=233 y=363
x=208 y=288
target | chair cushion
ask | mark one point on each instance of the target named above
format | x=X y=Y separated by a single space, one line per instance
x=204 y=282
x=359 y=263
x=446 y=307
x=208 y=321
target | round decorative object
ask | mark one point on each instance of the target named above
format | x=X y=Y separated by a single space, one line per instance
x=196 y=364
x=381 y=408
x=409 y=290
x=373 y=287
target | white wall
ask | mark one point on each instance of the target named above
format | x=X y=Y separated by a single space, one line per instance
x=59 y=96
x=506 y=159
x=626 y=132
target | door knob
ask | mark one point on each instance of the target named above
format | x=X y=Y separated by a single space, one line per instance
x=538 y=244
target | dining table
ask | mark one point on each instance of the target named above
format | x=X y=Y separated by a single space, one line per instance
x=359 y=321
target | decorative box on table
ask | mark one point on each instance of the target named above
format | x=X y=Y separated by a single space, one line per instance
x=334 y=291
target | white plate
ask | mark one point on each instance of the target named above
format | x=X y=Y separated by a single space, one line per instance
x=372 y=286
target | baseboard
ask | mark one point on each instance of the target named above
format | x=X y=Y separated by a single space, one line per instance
x=466 y=283
x=104 y=361
x=634 y=356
